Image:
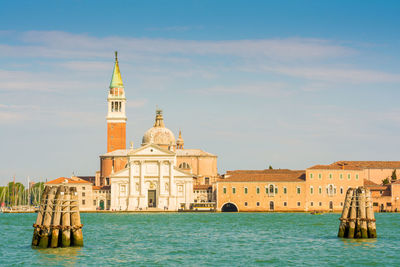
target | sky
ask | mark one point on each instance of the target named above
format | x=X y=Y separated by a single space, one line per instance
x=289 y=84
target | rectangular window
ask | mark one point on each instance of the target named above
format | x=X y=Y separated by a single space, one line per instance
x=330 y=176
x=224 y=190
x=284 y=190
x=348 y=176
x=258 y=204
x=94 y=202
x=320 y=204
x=341 y=176
x=319 y=176
x=233 y=190
x=285 y=204
x=266 y=190
x=375 y=204
x=311 y=190
x=311 y=176
x=109 y=202
x=83 y=202
x=83 y=188
x=245 y=203
x=245 y=191
x=276 y=190
x=341 y=190
x=356 y=176
x=298 y=204
x=311 y=203
x=83 y=194
x=341 y=204
x=298 y=190
x=258 y=190
x=320 y=190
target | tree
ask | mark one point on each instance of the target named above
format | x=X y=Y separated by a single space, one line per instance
x=394 y=176
x=270 y=167
x=385 y=181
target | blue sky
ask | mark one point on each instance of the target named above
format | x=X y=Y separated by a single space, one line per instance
x=283 y=83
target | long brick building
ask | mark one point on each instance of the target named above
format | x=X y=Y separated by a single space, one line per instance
x=320 y=187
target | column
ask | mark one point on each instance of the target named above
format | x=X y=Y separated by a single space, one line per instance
x=114 y=195
x=131 y=178
x=160 y=175
x=171 y=179
x=131 y=204
x=142 y=193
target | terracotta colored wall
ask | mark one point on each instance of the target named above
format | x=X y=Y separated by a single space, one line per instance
x=116 y=136
x=107 y=163
x=377 y=175
x=324 y=198
x=239 y=198
x=204 y=166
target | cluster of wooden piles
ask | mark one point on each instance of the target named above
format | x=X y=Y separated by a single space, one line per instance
x=58 y=223
x=357 y=220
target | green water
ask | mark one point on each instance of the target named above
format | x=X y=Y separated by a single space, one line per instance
x=200 y=239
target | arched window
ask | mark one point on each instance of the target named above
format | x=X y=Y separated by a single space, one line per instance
x=184 y=166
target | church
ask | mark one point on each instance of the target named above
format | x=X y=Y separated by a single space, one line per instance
x=158 y=175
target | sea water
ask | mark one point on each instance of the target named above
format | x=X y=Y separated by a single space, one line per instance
x=205 y=239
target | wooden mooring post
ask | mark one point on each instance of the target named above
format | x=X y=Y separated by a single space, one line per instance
x=58 y=215
x=357 y=220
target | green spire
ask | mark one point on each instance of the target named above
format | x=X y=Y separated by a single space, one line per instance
x=116 y=80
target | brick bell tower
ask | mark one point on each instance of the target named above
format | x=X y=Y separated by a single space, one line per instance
x=116 y=117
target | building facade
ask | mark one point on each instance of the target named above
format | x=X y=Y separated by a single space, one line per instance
x=318 y=188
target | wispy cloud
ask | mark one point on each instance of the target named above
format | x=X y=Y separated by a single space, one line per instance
x=56 y=44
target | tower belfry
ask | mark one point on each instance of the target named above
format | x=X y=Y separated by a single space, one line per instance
x=116 y=117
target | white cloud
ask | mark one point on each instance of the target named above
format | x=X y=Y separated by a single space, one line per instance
x=55 y=44
x=267 y=89
x=336 y=75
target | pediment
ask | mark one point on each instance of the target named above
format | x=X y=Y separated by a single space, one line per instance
x=151 y=150
x=121 y=173
x=180 y=173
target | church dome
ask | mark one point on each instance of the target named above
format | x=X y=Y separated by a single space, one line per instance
x=158 y=134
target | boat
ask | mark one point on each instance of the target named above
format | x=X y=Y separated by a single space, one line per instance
x=316 y=212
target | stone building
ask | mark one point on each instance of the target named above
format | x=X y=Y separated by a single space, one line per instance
x=261 y=190
x=320 y=187
x=83 y=188
x=385 y=197
x=157 y=175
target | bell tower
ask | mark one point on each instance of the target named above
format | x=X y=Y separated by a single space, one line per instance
x=116 y=117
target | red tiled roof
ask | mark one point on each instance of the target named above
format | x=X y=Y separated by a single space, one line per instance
x=359 y=165
x=369 y=183
x=279 y=175
x=62 y=180
x=104 y=187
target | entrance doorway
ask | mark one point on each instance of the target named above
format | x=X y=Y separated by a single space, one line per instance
x=152 y=199
x=271 y=205
x=101 y=204
x=229 y=207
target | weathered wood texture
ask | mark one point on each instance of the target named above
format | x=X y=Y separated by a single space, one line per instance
x=56 y=221
x=357 y=220
x=39 y=218
x=345 y=213
x=77 y=237
x=48 y=214
x=66 y=219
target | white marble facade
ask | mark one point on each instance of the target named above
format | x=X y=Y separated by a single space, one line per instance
x=151 y=180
